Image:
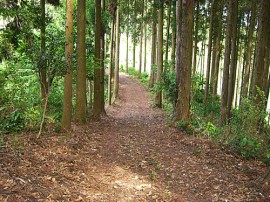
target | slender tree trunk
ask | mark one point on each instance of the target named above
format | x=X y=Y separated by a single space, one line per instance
x=209 y=55
x=90 y=90
x=111 y=64
x=158 y=93
x=216 y=58
x=97 y=71
x=178 y=47
x=80 y=110
x=153 y=53
x=264 y=20
x=173 y=37
x=102 y=60
x=134 y=53
x=43 y=69
x=234 y=56
x=248 y=53
x=168 y=31
x=196 y=37
x=140 y=53
x=127 y=33
x=127 y=54
x=225 y=83
x=67 y=102
x=182 y=108
x=237 y=89
x=117 y=51
x=145 y=46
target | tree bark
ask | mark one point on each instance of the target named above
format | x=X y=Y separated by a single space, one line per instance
x=264 y=20
x=182 y=108
x=216 y=50
x=168 y=31
x=67 y=102
x=196 y=37
x=153 y=52
x=80 y=110
x=102 y=60
x=140 y=53
x=173 y=38
x=97 y=68
x=145 y=46
x=158 y=93
x=248 y=53
x=224 y=93
x=111 y=64
x=117 y=51
x=43 y=69
x=234 y=56
x=209 y=54
x=178 y=47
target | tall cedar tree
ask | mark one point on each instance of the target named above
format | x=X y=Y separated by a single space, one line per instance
x=141 y=42
x=153 y=50
x=225 y=83
x=80 y=111
x=263 y=35
x=173 y=25
x=209 y=54
x=117 y=51
x=196 y=24
x=43 y=69
x=168 y=30
x=111 y=62
x=248 y=53
x=234 y=56
x=97 y=68
x=102 y=61
x=158 y=93
x=184 y=60
x=67 y=102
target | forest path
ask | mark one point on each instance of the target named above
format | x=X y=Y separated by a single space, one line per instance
x=130 y=155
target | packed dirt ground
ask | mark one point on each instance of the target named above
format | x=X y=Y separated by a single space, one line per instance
x=132 y=154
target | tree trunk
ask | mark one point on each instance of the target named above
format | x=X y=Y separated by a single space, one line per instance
x=153 y=53
x=217 y=31
x=158 y=93
x=43 y=69
x=209 y=54
x=224 y=93
x=127 y=54
x=178 y=47
x=134 y=53
x=111 y=64
x=182 y=108
x=117 y=51
x=80 y=110
x=145 y=45
x=262 y=40
x=97 y=70
x=246 y=72
x=196 y=37
x=67 y=102
x=102 y=60
x=173 y=37
x=234 y=56
x=168 y=31
x=90 y=90
x=140 y=53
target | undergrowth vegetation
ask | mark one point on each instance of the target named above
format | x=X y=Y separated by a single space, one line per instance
x=241 y=134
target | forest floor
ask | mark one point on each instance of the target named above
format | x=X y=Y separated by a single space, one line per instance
x=132 y=154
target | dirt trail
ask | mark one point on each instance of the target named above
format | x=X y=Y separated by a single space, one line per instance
x=130 y=155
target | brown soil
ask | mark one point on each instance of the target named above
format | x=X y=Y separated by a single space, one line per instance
x=130 y=155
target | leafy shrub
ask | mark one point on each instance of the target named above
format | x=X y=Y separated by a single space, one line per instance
x=12 y=123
